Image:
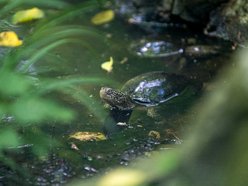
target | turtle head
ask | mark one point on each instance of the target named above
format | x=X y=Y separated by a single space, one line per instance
x=116 y=99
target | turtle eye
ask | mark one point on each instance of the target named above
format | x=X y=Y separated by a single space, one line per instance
x=109 y=91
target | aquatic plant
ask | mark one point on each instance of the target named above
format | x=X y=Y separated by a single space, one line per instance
x=24 y=94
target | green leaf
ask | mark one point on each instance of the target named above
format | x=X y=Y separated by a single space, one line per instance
x=68 y=14
x=10 y=5
x=43 y=41
x=65 y=83
x=41 y=141
x=38 y=54
x=13 y=84
x=8 y=138
x=44 y=37
x=2 y=110
x=36 y=109
x=84 y=98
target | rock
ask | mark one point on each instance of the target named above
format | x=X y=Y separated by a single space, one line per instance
x=230 y=22
x=226 y=19
x=195 y=10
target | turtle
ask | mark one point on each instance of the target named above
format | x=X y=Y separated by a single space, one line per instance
x=148 y=90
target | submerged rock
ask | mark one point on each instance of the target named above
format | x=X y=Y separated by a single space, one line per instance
x=154 y=49
x=230 y=22
x=165 y=11
x=226 y=19
x=157 y=49
x=152 y=16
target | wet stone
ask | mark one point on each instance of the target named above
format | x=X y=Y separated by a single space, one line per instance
x=125 y=157
x=41 y=181
x=172 y=141
x=203 y=50
x=154 y=49
x=54 y=171
x=124 y=163
x=139 y=149
x=100 y=157
x=89 y=158
x=90 y=169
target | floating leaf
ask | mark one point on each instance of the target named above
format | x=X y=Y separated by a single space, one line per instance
x=27 y=15
x=103 y=17
x=9 y=39
x=88 y=136
x=108 y=65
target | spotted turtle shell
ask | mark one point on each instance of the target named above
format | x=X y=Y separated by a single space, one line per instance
x=153 y=88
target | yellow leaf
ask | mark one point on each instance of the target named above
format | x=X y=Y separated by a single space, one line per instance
x=9 y=39
x=154 y=134
x=88 y=136
x=108 y=65
x=27 y=15
x=103 y=17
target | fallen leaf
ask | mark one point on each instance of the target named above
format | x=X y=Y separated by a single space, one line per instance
x=103 y=17
x=154 y=134
x=9 y=39
x=88 y=136
x=108 y=65
x=27 y=15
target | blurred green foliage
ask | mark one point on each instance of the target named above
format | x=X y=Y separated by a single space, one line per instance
x=25 y=97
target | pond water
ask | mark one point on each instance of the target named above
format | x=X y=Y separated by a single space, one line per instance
x=75 y=159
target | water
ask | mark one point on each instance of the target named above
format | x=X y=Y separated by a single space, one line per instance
x=74 y=159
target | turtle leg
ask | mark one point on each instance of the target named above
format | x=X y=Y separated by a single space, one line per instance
x=120 y=115
x=114 y=117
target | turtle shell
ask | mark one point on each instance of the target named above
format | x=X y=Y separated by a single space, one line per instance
x=153 y=88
